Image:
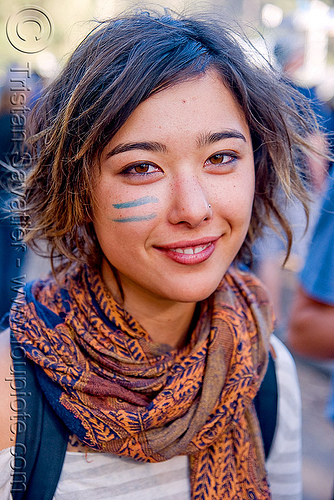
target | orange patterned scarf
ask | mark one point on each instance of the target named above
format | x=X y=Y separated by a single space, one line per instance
x=121 y=393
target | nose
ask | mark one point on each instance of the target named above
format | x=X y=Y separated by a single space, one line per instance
x=189 y=202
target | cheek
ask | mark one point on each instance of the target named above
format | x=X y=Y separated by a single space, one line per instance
x=117 y=242
x=236 y=202
x=127 y=208
x=121 y=236
x=124 y=217
x=245 y=192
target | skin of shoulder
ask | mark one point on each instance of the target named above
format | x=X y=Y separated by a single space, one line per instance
x=7 y=391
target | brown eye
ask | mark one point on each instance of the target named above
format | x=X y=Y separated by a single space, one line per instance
x=217 y=158
x=143 y=168
x=225 y=158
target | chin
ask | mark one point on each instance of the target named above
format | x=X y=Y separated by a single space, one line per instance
x=193 y=293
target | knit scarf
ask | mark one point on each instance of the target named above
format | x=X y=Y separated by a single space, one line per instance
x=119 y=392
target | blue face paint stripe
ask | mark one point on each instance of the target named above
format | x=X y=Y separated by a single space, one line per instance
x=137 y=203
x=136 y=219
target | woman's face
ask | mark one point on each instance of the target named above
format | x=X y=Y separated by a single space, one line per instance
x=175 y=193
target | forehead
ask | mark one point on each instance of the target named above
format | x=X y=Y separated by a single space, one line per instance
x=193 y=107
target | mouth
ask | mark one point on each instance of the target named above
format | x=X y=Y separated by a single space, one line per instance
x=190 y=253
x=191 y=250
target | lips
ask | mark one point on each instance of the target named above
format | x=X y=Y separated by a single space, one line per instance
x=190 y=253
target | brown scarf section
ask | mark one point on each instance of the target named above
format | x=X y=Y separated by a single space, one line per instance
x=121 y=393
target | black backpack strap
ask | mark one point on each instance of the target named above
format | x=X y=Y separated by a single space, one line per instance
x=266 y=404
x=41 y=439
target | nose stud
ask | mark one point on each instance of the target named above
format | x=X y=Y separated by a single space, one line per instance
x=209 y=206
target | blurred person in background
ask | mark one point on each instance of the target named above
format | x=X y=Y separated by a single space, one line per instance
x=311 y=325
x=269 y=250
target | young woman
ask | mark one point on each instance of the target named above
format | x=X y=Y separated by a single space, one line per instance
x=157 y=155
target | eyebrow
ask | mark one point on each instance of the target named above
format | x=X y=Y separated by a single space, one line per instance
x=158 y=147
x=207 y=139
x=145 y=146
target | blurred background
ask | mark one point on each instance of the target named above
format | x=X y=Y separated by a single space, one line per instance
x=297 y=36
x=311 y=20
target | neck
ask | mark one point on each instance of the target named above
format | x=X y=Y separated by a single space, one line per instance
x=166 y=322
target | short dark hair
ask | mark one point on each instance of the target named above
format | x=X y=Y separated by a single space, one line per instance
x=118 y=65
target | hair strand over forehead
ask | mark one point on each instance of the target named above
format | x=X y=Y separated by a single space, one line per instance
x=121 y=63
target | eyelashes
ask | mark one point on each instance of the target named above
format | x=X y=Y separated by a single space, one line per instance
x=143 y=169
x=146 y=172
x=222 y=158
